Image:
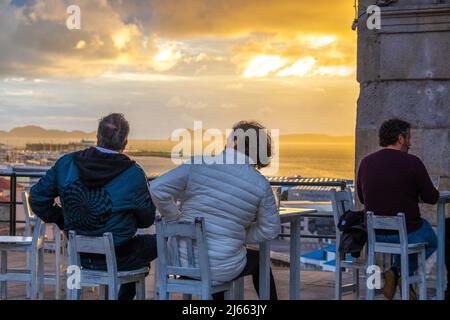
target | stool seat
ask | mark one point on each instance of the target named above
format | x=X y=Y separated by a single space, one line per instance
x=395 y=248
x=16 y=240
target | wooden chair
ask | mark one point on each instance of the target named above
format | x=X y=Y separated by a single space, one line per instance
x=35 y=273
x=404 y=249
x=195 y=278
x=111 y=278
x=342 y=201
x=57 y=245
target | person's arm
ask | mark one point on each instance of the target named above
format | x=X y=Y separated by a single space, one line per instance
x=167 y=188
x=145 y=209
x=427 y=192
x=267 y=224
x=359 y=184
x=42 y=199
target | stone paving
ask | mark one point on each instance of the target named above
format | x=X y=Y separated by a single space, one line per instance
x=315 y=285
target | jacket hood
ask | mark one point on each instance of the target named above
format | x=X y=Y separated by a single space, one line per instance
x=97 y=168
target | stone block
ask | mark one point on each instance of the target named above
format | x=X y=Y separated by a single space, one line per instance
x=425 y=104
x=401 y=59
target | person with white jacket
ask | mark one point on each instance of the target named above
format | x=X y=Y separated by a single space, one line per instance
x=233 y=197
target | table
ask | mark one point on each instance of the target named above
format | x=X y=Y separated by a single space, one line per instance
x=440 y=263
x=293 y=216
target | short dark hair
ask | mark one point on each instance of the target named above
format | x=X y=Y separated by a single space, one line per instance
x=113 y=132
x=261 y=132
x=391 y=129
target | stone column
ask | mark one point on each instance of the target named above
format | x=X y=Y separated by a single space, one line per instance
x=404 y=71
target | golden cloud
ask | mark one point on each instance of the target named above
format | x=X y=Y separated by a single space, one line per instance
x=260 y=37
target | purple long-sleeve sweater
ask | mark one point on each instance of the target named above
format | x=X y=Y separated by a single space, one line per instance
x=391 y=181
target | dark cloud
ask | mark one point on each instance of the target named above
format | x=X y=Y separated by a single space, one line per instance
x=193 y=18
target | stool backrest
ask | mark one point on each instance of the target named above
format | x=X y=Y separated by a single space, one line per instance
x=38 y=233
x=341 y=201
x=175 y=238
x=389 y=223
x=34 y=226
x=30 y=217
x=93 y=245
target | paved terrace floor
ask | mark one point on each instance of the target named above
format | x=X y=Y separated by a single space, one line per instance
x=315 y=285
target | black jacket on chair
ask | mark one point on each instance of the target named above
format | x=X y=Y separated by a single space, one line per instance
x=354 y=235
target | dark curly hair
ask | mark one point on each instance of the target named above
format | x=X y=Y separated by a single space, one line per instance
x=391 y=129
x=113 y=132
x=262 y=135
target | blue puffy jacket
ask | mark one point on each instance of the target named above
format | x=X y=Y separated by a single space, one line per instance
x=99 y=192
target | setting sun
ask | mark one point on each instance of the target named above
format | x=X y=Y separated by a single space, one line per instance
x=120 y=40
x=263 y=65
x=300 y=68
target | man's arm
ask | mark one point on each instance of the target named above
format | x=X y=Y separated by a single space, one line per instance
x=145 y=209
x=267 y=224
x=42 y=199
x=427 y=192
x=167 y=188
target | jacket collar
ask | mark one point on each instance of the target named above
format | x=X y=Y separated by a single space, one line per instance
x=104 y=150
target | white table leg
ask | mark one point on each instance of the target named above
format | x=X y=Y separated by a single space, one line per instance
x=440 y=251
x=294 y=287
x=264 y=270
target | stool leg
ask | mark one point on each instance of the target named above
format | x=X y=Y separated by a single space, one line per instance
x=102 y=292
x=356 y=283
x=338 y=276
x=384 y=262
x=140 y=289
x=113 y=291
x=40 y=273
x=405 y=276
x=228 y=294
x=74 y=294
x=370 y=293
x=187 y=296
x=28 y=267
x=33 y=275
x=238 y=288
x=423 y=275
x=4 y=269
x=57 y=235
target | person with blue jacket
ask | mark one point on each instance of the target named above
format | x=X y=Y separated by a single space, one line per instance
x=101 y=190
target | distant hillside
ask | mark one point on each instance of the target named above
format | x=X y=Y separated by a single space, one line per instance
x=315 y=138
x=36 y=132
x=304 y=138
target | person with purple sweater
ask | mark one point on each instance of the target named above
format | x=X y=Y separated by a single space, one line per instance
x=391 y=181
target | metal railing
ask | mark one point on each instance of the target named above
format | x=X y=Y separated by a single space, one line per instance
x=12 y=203
x=314 y=182
x=274 y=181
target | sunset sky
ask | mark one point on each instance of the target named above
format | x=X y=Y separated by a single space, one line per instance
x=165 y=63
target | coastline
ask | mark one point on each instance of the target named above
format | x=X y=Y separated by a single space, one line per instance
x=159 y=154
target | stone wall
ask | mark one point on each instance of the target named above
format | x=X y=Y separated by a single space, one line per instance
x=404 y=71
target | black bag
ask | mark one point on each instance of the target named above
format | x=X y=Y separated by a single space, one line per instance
x=354 y=235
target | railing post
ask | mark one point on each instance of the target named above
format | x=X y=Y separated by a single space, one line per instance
x=12 y=208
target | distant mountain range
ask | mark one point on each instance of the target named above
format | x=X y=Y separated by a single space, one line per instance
x=315 y=138
x=37 y=132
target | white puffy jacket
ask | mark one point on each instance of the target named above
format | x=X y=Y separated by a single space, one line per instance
x=236 y=202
